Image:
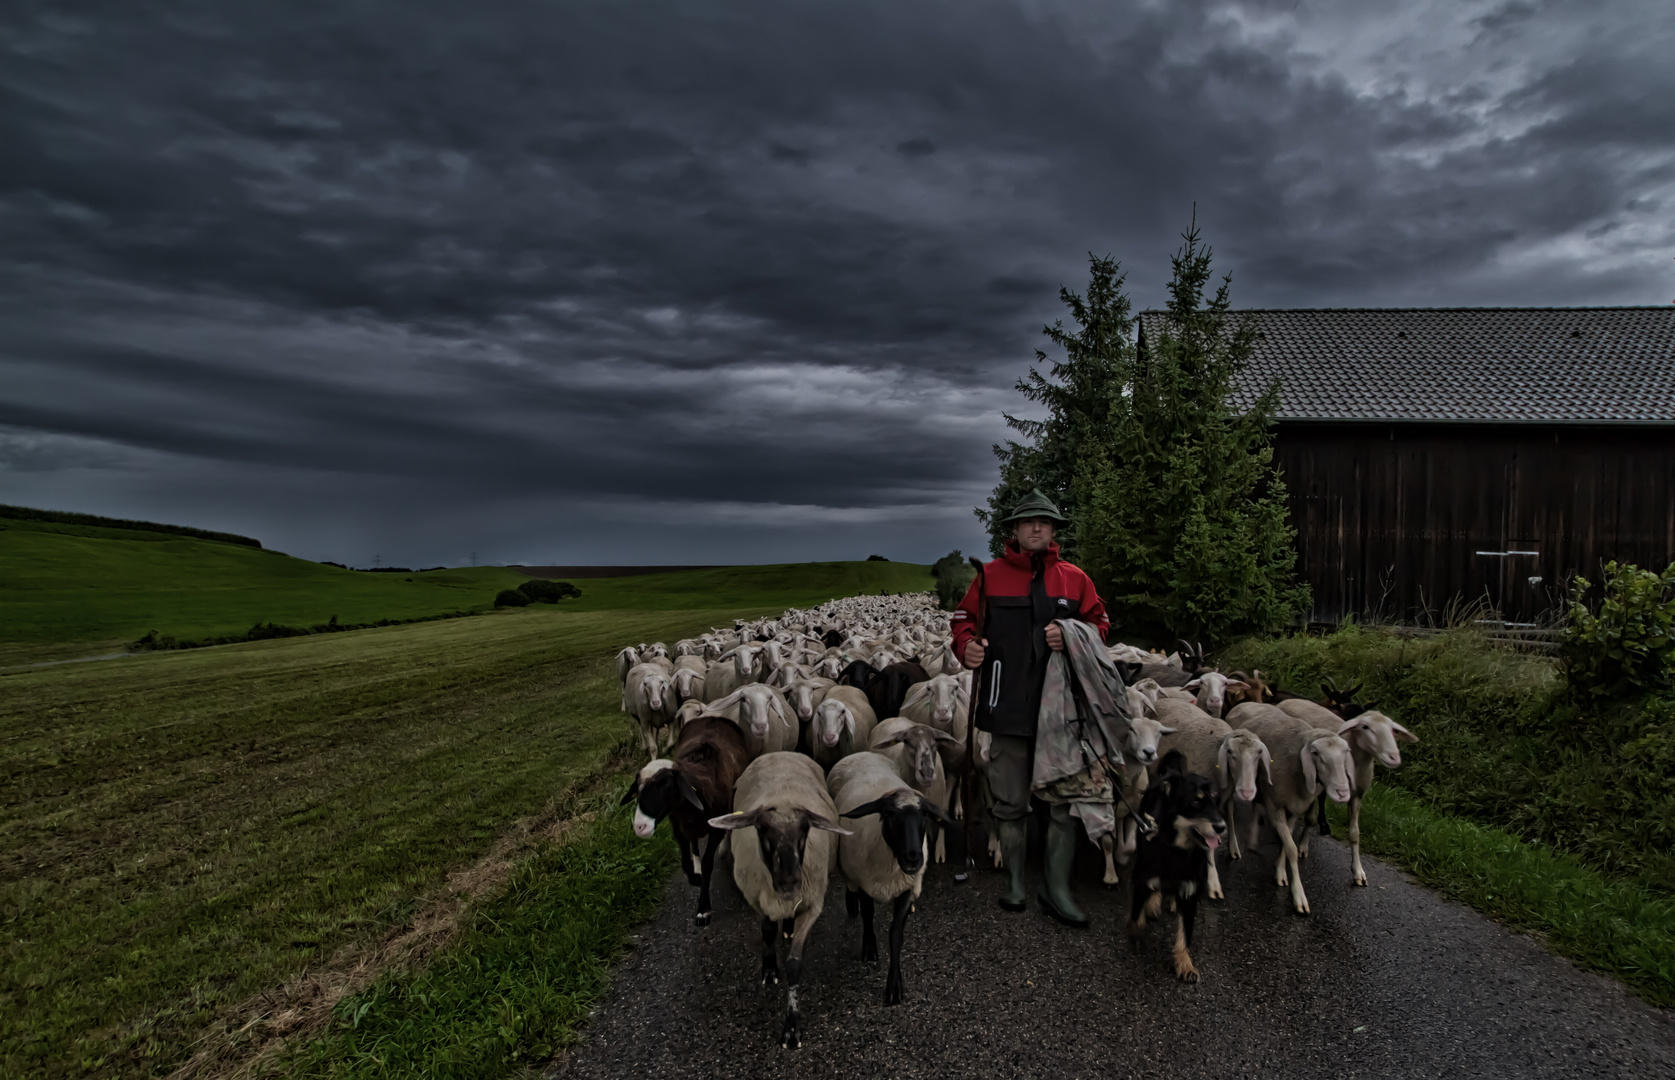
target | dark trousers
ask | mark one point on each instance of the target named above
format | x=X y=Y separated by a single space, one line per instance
x=1008 y=770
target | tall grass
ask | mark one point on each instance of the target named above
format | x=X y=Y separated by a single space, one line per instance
x=1501 y=743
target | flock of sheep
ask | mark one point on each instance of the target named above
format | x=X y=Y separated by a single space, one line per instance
x=833 y=738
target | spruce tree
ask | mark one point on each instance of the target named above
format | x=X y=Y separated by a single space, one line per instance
x=1077 y=393
x=1177 y=511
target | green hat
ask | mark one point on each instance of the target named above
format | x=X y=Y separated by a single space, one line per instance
x=1036 y=505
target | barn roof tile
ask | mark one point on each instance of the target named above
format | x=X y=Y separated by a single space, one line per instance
x=1479 y=365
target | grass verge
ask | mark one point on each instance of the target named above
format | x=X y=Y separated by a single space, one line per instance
x=522 y=976
x=1609 y=926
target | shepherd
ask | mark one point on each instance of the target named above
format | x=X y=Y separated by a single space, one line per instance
x=1021 y=596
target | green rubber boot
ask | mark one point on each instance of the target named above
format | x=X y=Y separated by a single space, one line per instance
x=1014 y=846
x=1061 y=856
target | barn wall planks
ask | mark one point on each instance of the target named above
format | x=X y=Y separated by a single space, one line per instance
x=1395 y=520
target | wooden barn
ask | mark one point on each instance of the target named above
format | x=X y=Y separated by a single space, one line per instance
x=1476 y=453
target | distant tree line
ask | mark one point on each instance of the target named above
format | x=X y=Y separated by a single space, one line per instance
x=57 y=517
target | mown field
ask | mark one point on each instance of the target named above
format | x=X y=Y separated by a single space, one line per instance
x=185 y=833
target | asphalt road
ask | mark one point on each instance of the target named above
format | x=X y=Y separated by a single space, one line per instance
x=1386 y=981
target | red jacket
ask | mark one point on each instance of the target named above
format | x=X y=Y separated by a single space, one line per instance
x=1015 y=663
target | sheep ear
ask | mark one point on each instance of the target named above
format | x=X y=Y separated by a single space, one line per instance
x=915 y=694
x=1402 y=733
x=944 y=737
x=1268 y=768
x=935 y=811
x=1221 y=763
x=877 y=806
x=1310 y=776
x=819 y=821
x=1166 y=730
x=632 y=794
x=736 y=820
x=1237 y=684
x=686 y=790
x=848 y=719
x=893 y=740
x=1193 y=684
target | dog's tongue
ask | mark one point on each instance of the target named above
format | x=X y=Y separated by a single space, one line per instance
x=1212 y=841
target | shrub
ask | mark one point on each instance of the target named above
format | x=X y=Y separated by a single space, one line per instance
x=953 y=577
x=510 y=598
x=876 y=558
x=1627 y=646
x=547 y=592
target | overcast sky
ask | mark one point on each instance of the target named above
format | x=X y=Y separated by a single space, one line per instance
x=632 y=281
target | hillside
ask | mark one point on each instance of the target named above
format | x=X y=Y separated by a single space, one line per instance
x=70 y=590
x=73 y=590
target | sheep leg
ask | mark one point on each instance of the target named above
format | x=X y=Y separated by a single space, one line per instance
x=1355 y=839
x=851 y=902
x=791 y=1038
x=648 y=739
x=688 y=864
x=869 y=940
x=1288 y=859
x=1108 y=844
x=898 y=932
x=1130 y=841
x=1188 y=909
x=770 y=959
x=941 y=844
x=1212 y=880
x=710 y=847
x=1230 y=814
x=1307 y=831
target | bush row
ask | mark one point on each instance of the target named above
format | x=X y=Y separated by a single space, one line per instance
x=155 y=640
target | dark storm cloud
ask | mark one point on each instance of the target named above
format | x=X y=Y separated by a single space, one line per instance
x=678 y=281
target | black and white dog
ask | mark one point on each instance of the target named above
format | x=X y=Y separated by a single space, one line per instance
x=1176 y=858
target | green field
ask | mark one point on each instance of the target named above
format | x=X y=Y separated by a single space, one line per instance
x=79 y=590
x=70 y=591
x=183 y=833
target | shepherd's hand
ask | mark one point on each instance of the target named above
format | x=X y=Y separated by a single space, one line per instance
x=1055 y=637
x=974 y=652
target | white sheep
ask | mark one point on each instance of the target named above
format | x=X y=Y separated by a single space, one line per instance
x=916 y=752
x=1305 y=759
x=1372 y=739
x=782 y=861
x=762 y=714
x=1130 y=780
x=1211 y=748
x=649 y=699
x=883 y=859
x=737 y=667
x=843 y=725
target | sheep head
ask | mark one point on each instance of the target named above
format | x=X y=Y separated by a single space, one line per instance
x=1376 y=734
x=1241 y=753
x=1328 y=763
x=782 y=839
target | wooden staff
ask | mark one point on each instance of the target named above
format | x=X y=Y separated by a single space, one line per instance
x=968 y=781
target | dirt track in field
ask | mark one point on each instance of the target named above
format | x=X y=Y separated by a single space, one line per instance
x=1387 y=981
